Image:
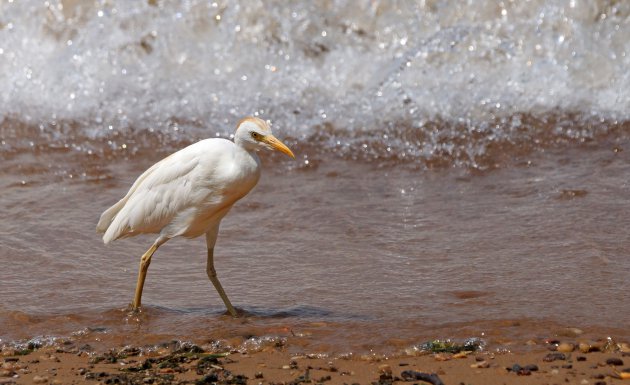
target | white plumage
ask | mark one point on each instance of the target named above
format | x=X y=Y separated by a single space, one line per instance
x=189 y=192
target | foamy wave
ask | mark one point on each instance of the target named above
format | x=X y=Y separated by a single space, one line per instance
x=369 y=72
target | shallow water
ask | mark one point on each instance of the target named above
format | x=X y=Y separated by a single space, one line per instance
x=338 y=252
x=462 y=170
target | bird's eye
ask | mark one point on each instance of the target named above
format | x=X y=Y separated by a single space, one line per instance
x=255 y=135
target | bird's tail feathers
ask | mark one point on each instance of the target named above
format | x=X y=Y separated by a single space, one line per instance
x=105 y=222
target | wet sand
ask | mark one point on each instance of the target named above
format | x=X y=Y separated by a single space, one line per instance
x=554 y=362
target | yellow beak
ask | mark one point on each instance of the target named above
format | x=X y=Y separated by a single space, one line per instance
x=278 y=145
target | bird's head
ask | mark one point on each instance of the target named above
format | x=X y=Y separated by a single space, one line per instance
x=254 y=133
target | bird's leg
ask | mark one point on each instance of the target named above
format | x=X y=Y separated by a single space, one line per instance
x=212 y=274
x=142 y=271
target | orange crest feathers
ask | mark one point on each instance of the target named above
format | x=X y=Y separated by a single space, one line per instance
x=257 y=121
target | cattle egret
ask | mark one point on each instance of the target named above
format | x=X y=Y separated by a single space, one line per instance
x=189 y=192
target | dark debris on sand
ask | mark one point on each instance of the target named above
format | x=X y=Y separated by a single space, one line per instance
x=162 y=370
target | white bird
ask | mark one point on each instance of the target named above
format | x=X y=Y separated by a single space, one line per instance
x=189 y=192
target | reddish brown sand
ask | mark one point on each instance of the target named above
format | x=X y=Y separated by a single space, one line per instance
x=275 y=365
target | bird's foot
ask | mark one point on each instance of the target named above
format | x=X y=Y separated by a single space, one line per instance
x=235 y=312
x=133 y=309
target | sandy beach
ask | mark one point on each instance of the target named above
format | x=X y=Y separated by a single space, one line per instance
x=551 y=362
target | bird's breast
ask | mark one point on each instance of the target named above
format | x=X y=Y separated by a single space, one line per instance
x=240 y=175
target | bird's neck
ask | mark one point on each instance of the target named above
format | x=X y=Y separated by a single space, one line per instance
x=248 y=153
x=247 y=146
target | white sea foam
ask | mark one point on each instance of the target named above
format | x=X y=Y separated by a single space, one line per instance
x=358 y=69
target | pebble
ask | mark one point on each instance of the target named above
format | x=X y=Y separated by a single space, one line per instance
x=565 y=347
x=385 y=369
x=442 y=356
x=614 y=361
x=523 y=370
x=624 y=347
x=480 y=365
x=554 y=356
x=40 y=379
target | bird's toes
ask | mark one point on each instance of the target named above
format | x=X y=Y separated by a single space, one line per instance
x=132 y=309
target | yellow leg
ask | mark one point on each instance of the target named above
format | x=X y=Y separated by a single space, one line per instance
x=142 y=272
x=212 y=274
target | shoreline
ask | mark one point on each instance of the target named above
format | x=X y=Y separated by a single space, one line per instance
x=599 y=362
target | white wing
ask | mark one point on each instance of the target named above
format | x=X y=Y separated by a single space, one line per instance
x=170 y=188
